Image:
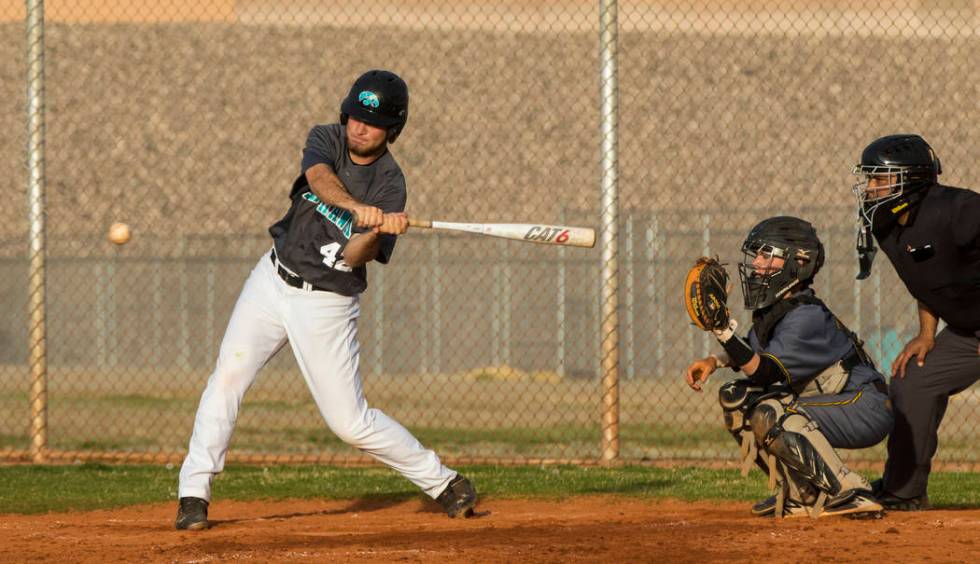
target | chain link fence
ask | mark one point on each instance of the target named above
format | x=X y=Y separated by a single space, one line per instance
x=186 y=120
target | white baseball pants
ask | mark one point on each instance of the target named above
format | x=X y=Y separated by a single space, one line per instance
x=321 y=328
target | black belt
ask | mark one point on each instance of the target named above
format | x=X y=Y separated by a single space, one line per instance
x=290 y=278
x=855 y=359
x=881 y=386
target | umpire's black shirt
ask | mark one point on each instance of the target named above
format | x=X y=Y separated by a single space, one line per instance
x=937 y=254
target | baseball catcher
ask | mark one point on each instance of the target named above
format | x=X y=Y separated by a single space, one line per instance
x=807 y=386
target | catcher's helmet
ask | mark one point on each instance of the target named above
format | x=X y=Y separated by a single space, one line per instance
x=378 y=98
x=789 y=238
x=904 y=165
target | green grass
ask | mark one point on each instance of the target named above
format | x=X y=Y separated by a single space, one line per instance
x=14 y=441
x=485 y=417
x=552 y=440
x=39 y=489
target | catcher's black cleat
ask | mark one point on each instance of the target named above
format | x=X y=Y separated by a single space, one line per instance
x=459 y=497
x=894 y=503
x=192 y=515
x=791 y=508
x=855 y=504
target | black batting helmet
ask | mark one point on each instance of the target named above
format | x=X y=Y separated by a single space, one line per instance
x=378 y=98
x=907 y=165
x=789 y=238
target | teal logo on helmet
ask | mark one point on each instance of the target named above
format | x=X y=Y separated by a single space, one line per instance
x=368 y=99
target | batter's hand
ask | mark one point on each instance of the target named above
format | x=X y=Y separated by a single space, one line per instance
x=393 y=224
x=699 y=370
x=918 y=347
x=367 y=216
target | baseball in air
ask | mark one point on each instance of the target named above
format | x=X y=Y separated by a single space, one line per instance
x=119 y=233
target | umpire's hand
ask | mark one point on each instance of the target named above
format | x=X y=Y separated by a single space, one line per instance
x=918 y=347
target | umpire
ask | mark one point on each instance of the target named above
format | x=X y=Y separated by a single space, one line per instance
x=931 y=234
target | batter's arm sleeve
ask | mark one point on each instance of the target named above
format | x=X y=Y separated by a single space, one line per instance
x=321 y=148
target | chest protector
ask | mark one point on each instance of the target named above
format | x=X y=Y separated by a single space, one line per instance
x=833 y=378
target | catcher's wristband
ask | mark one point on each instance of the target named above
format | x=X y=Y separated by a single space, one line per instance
x=738 y=351
x=721 y=358
x=727 y=333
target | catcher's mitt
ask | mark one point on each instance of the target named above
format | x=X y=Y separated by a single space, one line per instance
x=706 y=294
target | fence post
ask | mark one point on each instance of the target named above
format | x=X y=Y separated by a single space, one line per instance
x=495 y=316
x=184 y=346
x=105 y=312
x=501 y=319
x=879 y=348
x=101 y=331
x=560 y=287
x=437 y=278
x=157 y=344
x=425 y=314
x=629 y=340
x=609 y=314
x=653 y=288
x=506 y=305
x=209 y=311
x=37 y=303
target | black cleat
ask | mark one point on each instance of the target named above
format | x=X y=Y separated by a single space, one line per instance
x=459 y=497
x=855 y=504
x=791 y=508
x=894 y=503
x=192 y=514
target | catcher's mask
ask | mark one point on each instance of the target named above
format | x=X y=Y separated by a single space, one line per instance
x=892 y=176
x=780 y=255
x=378 y=98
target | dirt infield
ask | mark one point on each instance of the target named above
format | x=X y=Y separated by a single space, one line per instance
x=577 y=529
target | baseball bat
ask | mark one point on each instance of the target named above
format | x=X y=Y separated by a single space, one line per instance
x=530 y=232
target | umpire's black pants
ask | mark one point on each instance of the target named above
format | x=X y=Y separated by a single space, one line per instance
x=919 y=401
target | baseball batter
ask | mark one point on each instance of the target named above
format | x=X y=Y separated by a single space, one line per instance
x=347 y=207
x=810 y=387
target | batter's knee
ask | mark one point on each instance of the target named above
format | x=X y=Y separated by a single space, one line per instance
x=229 y=383
x=353 y=430
x=234 y=373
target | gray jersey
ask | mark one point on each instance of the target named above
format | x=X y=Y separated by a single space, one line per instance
x=311 y=237
x=804 y=343
x=807 y=341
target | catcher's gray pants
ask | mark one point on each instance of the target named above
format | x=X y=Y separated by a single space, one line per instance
x=920 y=400
x=321 y=328
x=857 y=417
